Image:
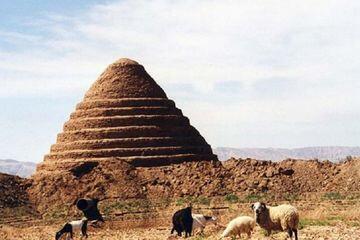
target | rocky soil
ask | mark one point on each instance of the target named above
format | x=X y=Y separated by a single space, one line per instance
x=339 y=232
x=120 y=180
x=13 y=191
x=292 y=176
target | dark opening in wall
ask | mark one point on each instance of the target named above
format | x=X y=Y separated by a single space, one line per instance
x=83 y=169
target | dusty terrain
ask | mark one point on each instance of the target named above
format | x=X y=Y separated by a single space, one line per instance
x=312 y=232
x=323 y=216
x=120 y=180
x=326 y=194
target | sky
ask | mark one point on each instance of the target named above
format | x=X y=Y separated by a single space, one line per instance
x=247 y=73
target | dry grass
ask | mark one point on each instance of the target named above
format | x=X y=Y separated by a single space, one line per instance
x=320 y=219
x=211 y=233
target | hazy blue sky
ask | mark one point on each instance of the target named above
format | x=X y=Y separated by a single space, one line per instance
x=247 y=73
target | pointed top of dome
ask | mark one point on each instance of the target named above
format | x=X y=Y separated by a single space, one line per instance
x=125 y=62
x=125 y=78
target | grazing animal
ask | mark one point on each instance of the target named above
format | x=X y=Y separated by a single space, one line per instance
x=182 y=221
x=73 y=226
x=90 y=208
x=280 y=218
x=239 y=225
x=200 y=221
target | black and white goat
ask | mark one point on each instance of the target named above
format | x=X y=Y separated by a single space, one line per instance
x=182 y=221
x=73 y=226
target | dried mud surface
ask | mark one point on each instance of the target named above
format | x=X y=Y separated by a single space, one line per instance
x=121 y=180
x=339 y=232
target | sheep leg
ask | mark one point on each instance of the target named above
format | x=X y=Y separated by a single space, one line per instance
x=84 y=231
x=295 y=233
x=70 y=236
x=290 y=233
x=249 y=234
x=202 y=230
x=178 y=230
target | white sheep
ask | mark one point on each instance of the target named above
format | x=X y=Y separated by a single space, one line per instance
x=200 y=221
x=239 y=225
x=280 y=218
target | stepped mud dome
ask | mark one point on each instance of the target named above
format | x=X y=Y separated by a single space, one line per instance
x=124 y=126
x=126 y=115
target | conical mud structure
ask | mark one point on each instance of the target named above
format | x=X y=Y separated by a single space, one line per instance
x=126 y=115
x=124 y=123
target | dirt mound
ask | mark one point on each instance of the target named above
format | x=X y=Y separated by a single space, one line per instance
x=62 y=184
x=120 y=180
x=186 y=179
x=292 y=176
x=13 y=191
x=114 y=179
x=348 y=177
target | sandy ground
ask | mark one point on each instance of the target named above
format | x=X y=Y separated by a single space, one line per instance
x=338 y=232
x=319 y=220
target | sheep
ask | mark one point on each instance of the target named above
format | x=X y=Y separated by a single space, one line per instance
x=200 y=221
x=280 y=218
x=239 y=225
x=182 y=221
x=71 y=227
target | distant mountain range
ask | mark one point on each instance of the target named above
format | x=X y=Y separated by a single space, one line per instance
x=333 y=154
x=13 y=167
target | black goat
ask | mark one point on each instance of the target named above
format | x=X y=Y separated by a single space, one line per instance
x=182 y=221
